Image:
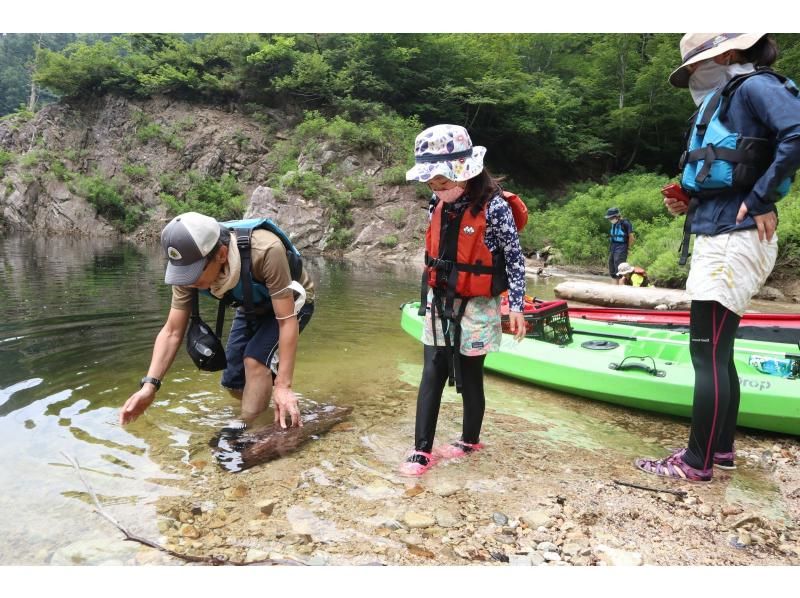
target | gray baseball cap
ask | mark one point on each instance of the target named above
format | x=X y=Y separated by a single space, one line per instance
x=187 y=240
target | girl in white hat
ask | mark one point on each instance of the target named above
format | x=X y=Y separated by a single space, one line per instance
x=734 y=221
x=472 y=255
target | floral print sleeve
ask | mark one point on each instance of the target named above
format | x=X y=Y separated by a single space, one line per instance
x=501 y=234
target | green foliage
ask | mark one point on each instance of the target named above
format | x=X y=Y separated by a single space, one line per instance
x=136 y=173
x=359 y=188
x=6 y=158
x=394 y=175
x=340 y=239
x=550 y=107
x=59 y=170
x=169 y=183
x=219 y=198
x=788 y=260
x=111 y=199
x=389 y=136
x=389 y=241
x=399 y=217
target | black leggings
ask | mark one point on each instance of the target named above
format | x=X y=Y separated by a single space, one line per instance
x=434 y=377
x=716 y=383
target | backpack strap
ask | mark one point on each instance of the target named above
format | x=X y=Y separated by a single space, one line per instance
x=243 y=244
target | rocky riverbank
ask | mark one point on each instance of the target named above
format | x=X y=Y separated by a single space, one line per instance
x=522 y=501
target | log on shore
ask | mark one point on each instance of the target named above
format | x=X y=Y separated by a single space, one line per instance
x=272 y=442
x=600 y=293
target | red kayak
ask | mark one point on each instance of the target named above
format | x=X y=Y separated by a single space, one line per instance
x=674 y=318
x=773 y=327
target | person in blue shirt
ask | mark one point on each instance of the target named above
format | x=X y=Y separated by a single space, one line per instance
x=620 y=241
x=736 y=242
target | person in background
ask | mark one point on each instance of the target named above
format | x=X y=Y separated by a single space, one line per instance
x=469 y=216
x=735 y=222
x=633 y=276
x=620 y=241
x=204 y=254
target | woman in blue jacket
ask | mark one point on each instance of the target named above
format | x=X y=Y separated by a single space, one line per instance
x=736 y=243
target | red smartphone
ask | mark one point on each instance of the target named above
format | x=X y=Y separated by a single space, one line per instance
x=675 y=191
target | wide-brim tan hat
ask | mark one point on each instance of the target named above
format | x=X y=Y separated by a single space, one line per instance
x=696 y=47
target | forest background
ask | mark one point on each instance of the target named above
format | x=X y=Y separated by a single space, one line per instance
x=574 y=122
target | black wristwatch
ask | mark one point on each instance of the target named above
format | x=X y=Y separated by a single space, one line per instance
x=154 y=381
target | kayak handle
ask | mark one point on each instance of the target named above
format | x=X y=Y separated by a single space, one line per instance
x=605 y=335
x=653 y=371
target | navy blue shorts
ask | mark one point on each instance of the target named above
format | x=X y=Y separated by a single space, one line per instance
x=618 y=254
x=259 y=341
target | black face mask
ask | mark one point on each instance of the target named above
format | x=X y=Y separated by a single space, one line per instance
x=204 y=347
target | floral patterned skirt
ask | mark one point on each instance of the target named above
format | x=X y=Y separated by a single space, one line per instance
x=480 y=326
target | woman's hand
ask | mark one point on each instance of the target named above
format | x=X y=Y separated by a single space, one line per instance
x=765 y=223
x=517 y=323
x=676 y=207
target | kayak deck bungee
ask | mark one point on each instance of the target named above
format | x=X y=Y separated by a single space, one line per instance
x=644 y=368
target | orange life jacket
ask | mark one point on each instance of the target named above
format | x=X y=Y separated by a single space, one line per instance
x=456 y=255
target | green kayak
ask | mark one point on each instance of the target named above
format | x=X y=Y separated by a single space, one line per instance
x=643 y=368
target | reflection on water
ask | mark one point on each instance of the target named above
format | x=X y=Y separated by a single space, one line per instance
x=80 y=317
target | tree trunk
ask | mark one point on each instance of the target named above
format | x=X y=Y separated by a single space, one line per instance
x=600 y=293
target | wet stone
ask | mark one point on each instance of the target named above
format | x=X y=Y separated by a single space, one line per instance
x=536 y=558
x=499 y=519
x=535 y=519
x=189 y=531
x=445 y=488
x=266 y=506
x=413 y=491
x=506 y=539
x=255 y=554
x=416 y=520
x=551 y=557
x=236 y=492
x=519 y=560
x=446 y=518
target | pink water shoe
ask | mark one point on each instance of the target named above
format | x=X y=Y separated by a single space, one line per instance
x=416 y=464
x=458 y=448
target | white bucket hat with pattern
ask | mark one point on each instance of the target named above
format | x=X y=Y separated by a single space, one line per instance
x=624 y=268
x=696 y=47
x=446 y=150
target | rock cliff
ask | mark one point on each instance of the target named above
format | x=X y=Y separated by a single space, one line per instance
x=147 y=147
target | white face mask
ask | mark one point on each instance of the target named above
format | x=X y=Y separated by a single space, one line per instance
x=706 y=78
x=450 y=195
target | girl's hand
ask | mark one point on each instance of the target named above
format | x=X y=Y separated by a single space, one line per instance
x=517 y=324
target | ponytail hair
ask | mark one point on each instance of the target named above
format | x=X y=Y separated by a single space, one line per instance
x=763 y=53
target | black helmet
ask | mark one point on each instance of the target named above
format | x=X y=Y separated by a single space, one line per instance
x=611 y=212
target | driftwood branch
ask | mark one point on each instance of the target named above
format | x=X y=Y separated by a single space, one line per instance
x=210 y=560
x=680 y=493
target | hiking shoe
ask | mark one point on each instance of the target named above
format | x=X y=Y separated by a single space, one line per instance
x=416 y=464
x=674 y=467
x=457 y=448
x=725 y=460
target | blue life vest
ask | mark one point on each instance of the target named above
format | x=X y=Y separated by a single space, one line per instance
x=716 y=158
x=259 y=293
x=618 y=232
